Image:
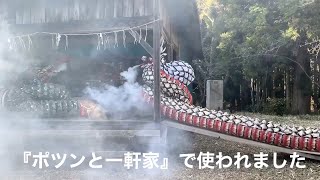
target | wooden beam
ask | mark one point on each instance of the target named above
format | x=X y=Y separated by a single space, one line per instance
x=143 y=43
x=156 y=60
x=168 y=39
x=86 y=125
x=85 y=26
x=88 y=133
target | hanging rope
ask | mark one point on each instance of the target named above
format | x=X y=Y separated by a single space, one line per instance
x=89 y=34
x=56 y=37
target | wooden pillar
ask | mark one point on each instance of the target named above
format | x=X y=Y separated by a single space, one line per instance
x=156 y=60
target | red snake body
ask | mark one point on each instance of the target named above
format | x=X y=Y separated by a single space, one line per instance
x=176 y=104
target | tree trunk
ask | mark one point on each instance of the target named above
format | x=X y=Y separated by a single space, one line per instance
x=258 y=93
x=302 y=84
x=316 y=86
x=252 y=92
x=287 y=87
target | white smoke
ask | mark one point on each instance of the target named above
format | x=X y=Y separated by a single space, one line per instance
x=14 y=126
x=124 y=99
x=12 y=63
x=131 y=74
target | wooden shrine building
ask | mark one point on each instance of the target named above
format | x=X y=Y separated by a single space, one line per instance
x=179 y=19
x=103 y=37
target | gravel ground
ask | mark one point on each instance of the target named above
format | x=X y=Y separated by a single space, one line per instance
x=193 y=143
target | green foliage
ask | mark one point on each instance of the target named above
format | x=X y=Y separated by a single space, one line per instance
x=275 y=107
x=248 y=39
x=291 y=33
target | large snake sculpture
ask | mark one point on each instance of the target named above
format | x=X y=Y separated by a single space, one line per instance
x=176 y=104
x=39 y=98
x=50 y=100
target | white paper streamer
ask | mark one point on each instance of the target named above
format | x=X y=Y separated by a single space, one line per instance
x=67 y=43
x=18 y=41
x=145 y=38
x=10 y=44
x=140 y=35
x=116 y=40
x=135 y=38
x=106 y=42
x=98 y=42
x=101 y=38
x=58 y=38
x=52 y=41
x=30 y=43
x=124 y=38
x=23 y=45
x=14 y=44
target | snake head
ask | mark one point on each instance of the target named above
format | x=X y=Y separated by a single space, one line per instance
x=92 y=110
x=144 y=58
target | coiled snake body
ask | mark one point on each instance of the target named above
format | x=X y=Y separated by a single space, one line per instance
x=50 y=100
x=176 y=104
